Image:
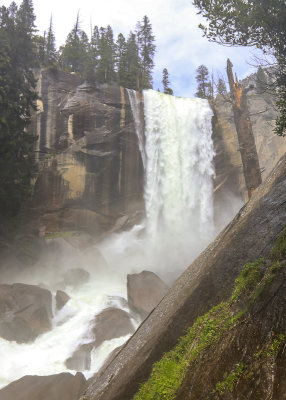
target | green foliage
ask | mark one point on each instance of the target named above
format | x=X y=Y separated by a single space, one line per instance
x=166 y=82
x=231 y=379
x=106 y=64
x=129 y=63
x=274 y=348
x=51 y=55
x=247 y=279
x=204 y=85
x=17 y=98
x=280 y=127
x=221 y=88
x=278 y=251
x=62 y=234
x=259 y=23
x=146 y=44
x=168 y=373
x=74 y=54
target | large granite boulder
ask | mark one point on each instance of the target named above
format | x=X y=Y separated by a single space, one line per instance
x=144 y=291
x=63 y=386
x=61 y=299
x=75 y=277
x=111 y=323
x=25 y=312
x=207 y=282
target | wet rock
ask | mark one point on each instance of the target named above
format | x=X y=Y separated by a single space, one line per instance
x=95 y=174
x=25 y=312
x=144 y=291
x=117 y=302
x=80 y=359
x=61 y=299
x=76 y=277
x=111 y=323
x=63 y=386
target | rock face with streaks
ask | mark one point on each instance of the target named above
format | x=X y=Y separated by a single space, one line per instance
x=91 y=170
x=92 y=176
x=229 y=183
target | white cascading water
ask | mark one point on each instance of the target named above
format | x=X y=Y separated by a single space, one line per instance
x=179 y=170
x=139 y=125
x=177 y=153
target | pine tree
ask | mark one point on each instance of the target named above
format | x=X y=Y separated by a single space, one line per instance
x=221 y=88
x=17 y=98
x=106 y=65
x=261 y=81
x=74 y=54
x=94 y=46
x=204 y=85
x=166 y=82
x=40 y=42
x=51 y=56
x=146 y=42
x=121 y=62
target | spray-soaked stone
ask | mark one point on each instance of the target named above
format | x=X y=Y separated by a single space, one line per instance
x=144 y=291
x=61 y=299
x=63 y=386
x=25 y=312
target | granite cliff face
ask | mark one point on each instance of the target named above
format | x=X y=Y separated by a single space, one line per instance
x=90 y=166
x=91 y=173
x=229 y=173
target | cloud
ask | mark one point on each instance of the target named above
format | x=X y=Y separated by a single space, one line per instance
x=180 y=45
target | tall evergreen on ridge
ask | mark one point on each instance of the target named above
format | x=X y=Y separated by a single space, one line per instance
x=129 y=64
x=17 y=98
x=204 y=85
x=121 y=59
x=74 y=54
x=221 y=88
x=146 y=44
x=51 y=55
x=106 y=64
x=166 y=82
x=94 y=46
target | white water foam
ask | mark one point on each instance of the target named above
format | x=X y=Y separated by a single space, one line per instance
x=179 y=147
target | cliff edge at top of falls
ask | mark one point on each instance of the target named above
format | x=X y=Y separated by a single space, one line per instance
x=206 y=283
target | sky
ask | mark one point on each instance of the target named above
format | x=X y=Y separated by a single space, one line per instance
x=181 y=47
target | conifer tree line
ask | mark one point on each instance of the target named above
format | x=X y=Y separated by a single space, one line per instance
x=103 y=58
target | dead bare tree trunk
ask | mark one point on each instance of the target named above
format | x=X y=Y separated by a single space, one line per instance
x=247 y=147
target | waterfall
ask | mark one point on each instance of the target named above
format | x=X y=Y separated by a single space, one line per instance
x=139 y=126
x=178 y=156
x=179 y=170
